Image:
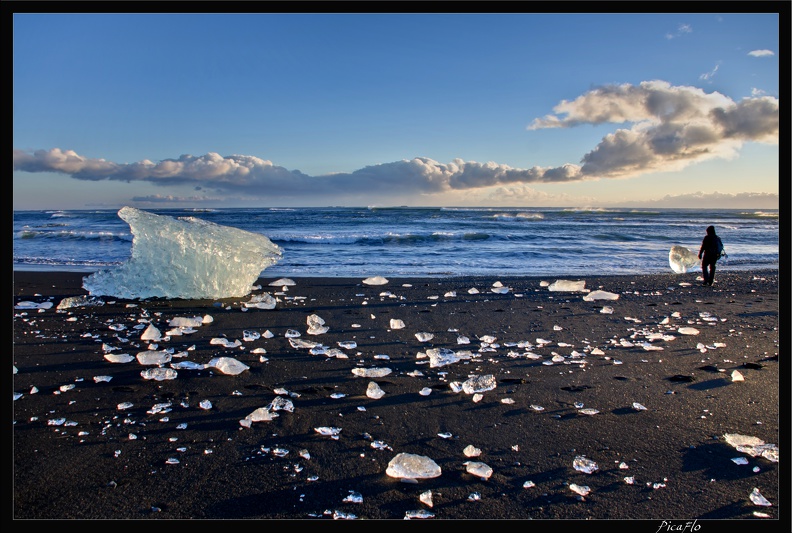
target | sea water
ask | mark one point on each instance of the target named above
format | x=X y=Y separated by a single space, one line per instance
x=424 y=242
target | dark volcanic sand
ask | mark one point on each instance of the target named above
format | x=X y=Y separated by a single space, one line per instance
x=76 y=455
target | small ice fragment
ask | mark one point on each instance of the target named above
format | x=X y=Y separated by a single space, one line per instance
x=262 y=414
x=688 y=331
x=426 y=498
x=418 y=514
x=567 y=286
x=426 y=391
x=412 y=466
x=600 y=295
x=222 y=341
x=737 y=376
x=328 y=431
x=585 y=465
x=441 y=356
x=353 y=497
x=100 y=379
x=227 y=365
x=299 y=343
x=348 y=345
x=282 y=282
x=396 y=323
x=261 y=301
x=371 y=372
x=528 y=484
x=153 y=357
x=757 y=498
x=205 y=404
x=376 y=280
x=479 y=384
x=607 y=310
x=583 y=490
x=740 y=460
x=374 y=391
x=151 y=334
x=424 y=336
x=471 y=451
x=77 y=301
x=478 y=469
x=473 y=291
x=537 y=408
x=159 y=374
x=638 y=407
x=250 y=335
x=316 y=325
x=185 y=322
x=588 y=411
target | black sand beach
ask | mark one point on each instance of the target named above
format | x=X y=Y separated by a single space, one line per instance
x=663 y=399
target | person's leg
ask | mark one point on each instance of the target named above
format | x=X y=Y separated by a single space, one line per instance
x=704 y=272
x=712 y=273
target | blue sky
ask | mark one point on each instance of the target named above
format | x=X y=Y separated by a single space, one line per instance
x=279 y=109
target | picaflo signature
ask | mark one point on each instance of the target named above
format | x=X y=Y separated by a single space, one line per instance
x=669 y=526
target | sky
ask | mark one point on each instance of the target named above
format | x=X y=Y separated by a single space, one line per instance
x=163 y=110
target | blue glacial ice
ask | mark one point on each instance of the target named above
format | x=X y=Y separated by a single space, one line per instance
x=184 y=257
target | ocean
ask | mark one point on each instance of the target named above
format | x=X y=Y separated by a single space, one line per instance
x=424 y=242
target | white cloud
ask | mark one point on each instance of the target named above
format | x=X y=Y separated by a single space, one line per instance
x=682 y=29
x=709 y=75
x=761 y=53
x=667 y=128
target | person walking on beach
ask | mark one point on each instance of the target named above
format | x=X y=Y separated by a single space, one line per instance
x=709 y=253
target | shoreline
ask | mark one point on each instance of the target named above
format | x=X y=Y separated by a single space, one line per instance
x=529 y=428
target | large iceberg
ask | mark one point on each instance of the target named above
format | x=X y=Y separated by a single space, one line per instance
x=681 y=259
x=185 y=257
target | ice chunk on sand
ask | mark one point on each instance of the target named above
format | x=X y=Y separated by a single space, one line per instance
x=371 y=372
x=282 y=282
x=476 y=468
x=227 y=365
x=79 y=301
x=154 y=357
x=600 y=295
x=184 y=257
x=374 y=390
x=262 y=301
x=119 y=358
x=753 y=446
x=479 y=384
x=412 y=466
x=567 y=286
x=681 y=259
x=376 y=280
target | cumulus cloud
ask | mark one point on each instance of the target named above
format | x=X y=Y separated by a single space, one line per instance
x=761 y=53
x=672 y=126
x=669 y=127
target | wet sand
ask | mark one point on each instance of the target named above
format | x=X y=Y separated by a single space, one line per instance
x=634 y=391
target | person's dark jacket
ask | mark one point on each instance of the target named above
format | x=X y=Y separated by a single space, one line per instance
x=709 y=246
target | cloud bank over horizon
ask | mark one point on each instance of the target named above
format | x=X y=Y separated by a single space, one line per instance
x=666 y=128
